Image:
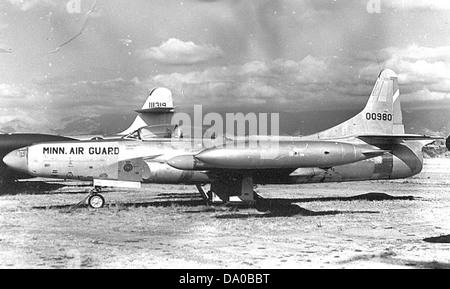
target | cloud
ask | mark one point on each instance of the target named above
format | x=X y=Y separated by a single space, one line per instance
x=3 y=25
x=175 y=51
x=278 y=82
x=60 y=101
x=423 y=72
x=66 y=6
x=8 y=90
x=18 y=112
x=419 y=4
x=25 y=5
x=315 y=82
x=125 y=41
x=311 y=83
x=92 y=97
x=14 y=90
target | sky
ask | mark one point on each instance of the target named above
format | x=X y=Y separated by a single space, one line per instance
x=79 y=66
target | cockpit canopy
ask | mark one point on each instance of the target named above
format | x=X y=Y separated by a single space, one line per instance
x=151 y=132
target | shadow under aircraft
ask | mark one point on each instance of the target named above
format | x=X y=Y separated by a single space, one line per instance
x=268 y=207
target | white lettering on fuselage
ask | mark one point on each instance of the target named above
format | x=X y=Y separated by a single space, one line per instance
x=80 y=151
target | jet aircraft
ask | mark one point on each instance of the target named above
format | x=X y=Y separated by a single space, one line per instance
x=370 y=146
x=157 y=110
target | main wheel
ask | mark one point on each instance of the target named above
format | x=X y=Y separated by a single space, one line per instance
x=96 y=201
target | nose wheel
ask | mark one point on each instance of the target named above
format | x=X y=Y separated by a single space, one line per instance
x=96 y=201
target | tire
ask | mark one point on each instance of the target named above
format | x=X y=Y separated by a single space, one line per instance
x=96 y=201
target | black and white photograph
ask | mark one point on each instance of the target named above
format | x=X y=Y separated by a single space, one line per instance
x=224 y=134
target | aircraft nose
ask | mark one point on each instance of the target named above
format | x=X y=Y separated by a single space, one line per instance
x=17 y=159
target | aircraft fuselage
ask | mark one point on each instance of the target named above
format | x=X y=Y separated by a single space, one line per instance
x=173 y=161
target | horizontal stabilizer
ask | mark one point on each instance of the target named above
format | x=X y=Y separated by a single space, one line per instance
x=155 y=110
x=400 y=137
x=396 y=139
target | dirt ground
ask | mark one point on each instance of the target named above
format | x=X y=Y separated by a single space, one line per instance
x=392 y=224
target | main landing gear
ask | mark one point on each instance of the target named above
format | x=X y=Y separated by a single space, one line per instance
x=232 y=191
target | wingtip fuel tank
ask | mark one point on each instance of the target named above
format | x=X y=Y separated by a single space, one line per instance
x=188 y=163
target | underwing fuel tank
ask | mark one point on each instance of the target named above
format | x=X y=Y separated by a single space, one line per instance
x=265 y=156
x=162 y=173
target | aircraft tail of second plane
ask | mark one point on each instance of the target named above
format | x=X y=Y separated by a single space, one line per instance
x=157 y=109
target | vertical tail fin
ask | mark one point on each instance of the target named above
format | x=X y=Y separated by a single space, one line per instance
x=382 y=114
x=157 y=109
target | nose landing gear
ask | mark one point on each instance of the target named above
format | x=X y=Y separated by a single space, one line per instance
x=94 y=199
